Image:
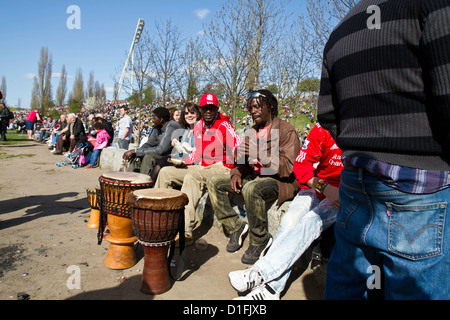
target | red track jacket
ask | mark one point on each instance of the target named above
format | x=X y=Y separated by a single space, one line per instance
x=319 y=148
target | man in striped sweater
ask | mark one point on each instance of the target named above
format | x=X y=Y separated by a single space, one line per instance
x=385 y=98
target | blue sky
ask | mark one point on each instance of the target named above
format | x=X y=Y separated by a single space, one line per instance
x=100 y=45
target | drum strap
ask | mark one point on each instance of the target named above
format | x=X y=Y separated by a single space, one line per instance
x=102 y=218
x=180 y=264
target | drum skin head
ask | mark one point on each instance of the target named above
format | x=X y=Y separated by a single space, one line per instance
x=158 y=193
x=132 y=177
x=157 y=199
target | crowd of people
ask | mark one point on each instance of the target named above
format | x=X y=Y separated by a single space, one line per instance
x=376 y=166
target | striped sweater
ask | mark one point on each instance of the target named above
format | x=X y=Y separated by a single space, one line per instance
x=385 y=91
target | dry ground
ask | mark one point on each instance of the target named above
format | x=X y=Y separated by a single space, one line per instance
x=43 y=215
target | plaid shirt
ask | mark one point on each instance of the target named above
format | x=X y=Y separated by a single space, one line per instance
x=409 y=180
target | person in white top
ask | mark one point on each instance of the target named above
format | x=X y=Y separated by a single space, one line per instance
x=125 y=128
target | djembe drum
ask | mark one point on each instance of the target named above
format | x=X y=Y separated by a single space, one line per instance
x=157 y=216
x=115 y=187
x=93 y=196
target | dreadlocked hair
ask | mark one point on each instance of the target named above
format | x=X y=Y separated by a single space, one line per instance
x=270 y=101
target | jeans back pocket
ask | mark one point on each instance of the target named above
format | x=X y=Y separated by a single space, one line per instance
x=347 y=207
x=416 y=232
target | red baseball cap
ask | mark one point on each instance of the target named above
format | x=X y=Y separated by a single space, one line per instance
x=207 y=99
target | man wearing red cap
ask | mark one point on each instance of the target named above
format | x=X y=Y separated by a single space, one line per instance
x=215 y=143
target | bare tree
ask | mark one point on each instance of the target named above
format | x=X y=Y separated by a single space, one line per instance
x=268 y=21
x=227 y=38
x=90 y=90
x=78 y=85
x=188 y=77
x=165 y=56
x=301 y=48
x=44 y=80
x=279 y=70
x=34 y=104
x=139 y=75
x=323 y=16
x=62 y=87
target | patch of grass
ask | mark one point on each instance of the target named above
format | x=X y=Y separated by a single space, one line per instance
x=14 y=138
x=4 y=155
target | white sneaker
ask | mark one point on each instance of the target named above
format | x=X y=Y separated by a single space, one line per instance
x=261 y=293
x=247 y=279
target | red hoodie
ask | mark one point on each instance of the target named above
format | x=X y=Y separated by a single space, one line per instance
x=318 y=147
x=214 y=144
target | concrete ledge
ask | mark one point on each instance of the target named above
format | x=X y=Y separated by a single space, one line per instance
x=111 y=159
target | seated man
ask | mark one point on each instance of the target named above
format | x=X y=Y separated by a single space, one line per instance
x=215 y=142
x=59 y=129
x=312 y=211
x=46 y=129
x=263 y=174
x=75 y=132
x=157 y=145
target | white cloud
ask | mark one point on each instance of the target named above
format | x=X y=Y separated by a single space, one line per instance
x=202 y=13
x=201 y=32
x=109 y=89
x=29 y=75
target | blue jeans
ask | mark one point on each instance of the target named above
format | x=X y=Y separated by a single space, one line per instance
x=55 y=137
x=303 y=223
x=94 y=156
x=388 y=241
x=123 y=144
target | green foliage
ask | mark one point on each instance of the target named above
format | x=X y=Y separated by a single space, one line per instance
x=148 y=97
x=309 y=85
x=75 y=106
x=55 y=114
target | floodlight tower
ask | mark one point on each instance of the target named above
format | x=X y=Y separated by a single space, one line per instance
x=136 y=38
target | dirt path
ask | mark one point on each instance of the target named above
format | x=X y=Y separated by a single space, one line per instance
x=44 y=237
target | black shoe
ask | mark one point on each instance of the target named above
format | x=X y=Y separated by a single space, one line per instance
x=237 y=238
x=253 y=253
x=57 y=152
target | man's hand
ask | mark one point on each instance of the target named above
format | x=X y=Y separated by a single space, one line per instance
x=129 y=154
x=332 y=194
x=178 y=163
x=236 y=183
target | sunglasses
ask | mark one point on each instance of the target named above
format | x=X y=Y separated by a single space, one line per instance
x=255 y=94
x=208 y=107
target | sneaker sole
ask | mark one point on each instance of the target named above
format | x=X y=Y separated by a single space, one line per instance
x=241 y=238
x=262 y=254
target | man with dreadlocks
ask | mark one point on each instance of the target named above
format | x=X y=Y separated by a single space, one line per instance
x=263 y=173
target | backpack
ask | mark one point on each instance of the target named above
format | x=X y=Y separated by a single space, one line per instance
x=10 y=113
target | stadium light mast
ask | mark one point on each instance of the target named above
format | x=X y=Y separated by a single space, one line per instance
x=136 y=38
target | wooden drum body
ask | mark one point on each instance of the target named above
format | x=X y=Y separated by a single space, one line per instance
x=115 y=187
x=156 y=215
x=93 y=196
